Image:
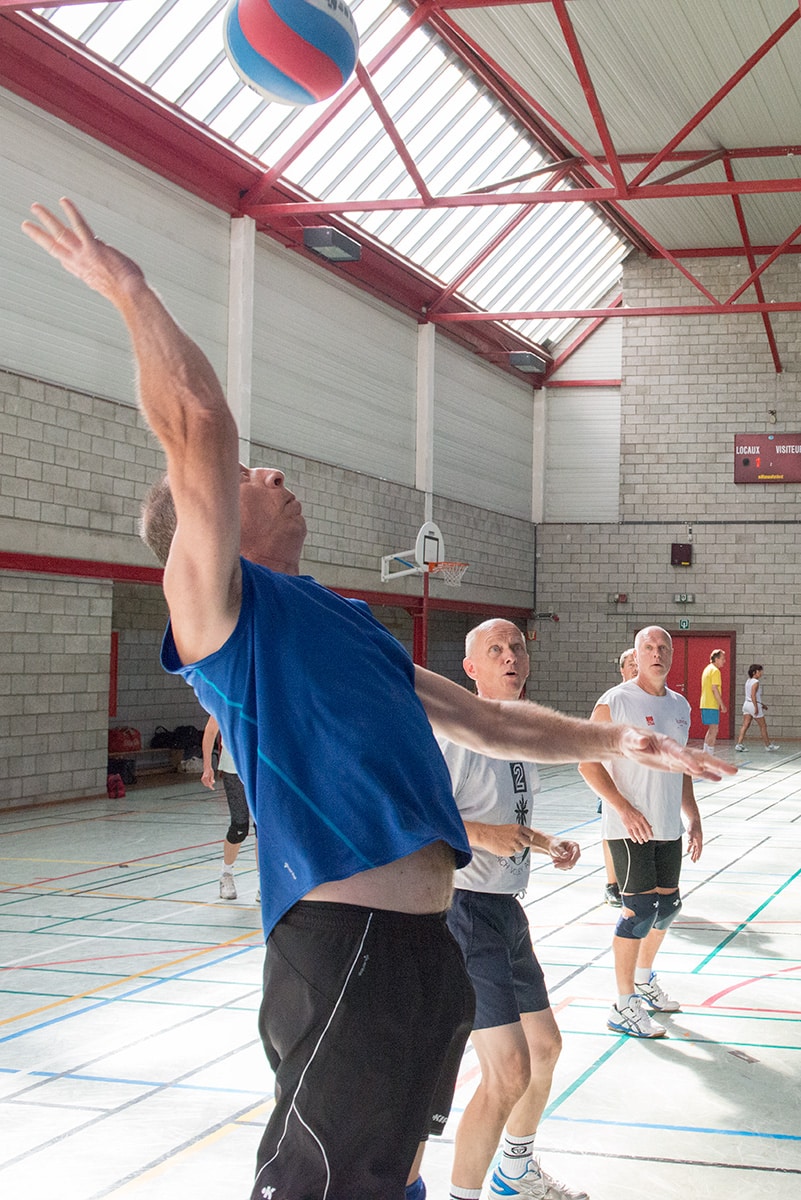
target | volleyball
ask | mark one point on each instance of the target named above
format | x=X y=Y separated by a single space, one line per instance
x=291 y=51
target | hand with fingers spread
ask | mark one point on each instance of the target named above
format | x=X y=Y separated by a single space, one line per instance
x=101 y=267
x=655 y=750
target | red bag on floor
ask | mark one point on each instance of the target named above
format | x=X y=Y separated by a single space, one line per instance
x=115 y=787
x=123 y=738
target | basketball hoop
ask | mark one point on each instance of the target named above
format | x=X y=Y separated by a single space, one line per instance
x=449 y=572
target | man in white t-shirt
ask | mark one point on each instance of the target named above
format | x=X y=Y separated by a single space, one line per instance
x=642 y=820
x=515 y=1035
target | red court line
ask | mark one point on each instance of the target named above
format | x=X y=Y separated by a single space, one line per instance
x=747 y=983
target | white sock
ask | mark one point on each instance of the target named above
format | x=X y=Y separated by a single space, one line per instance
x=515 y=1155
x=623 y=1001
x=458 y=1193
x=228 y=870
x=642 y=975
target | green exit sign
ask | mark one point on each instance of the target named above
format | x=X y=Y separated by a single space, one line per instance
x=684 y=623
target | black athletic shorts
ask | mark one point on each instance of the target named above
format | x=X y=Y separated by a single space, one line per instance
x=643 y=866
x=493 y=932
x=364 y=1020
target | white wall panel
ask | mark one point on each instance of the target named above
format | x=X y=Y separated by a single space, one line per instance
x=51 y=325
x=483 y=421
x=582 y=455
x=599 y=357
x=334 y=371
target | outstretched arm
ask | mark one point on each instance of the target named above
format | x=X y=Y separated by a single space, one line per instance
x=183 y=403
x=517 y=729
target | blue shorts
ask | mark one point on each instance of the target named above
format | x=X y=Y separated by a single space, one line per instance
x=710 y=716
x=493 y=932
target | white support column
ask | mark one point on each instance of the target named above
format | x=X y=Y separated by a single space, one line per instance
x=538 y=456
x=424 y=465
x=240 y=327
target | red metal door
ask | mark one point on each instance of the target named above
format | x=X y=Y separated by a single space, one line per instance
x=691 y=653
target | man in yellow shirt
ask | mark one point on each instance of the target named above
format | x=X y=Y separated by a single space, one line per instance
x=711 y=698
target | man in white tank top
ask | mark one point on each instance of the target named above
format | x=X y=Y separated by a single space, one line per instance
x=642 y=820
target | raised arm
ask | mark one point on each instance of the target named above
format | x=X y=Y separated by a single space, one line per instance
x=518 y=729
x=183 y=403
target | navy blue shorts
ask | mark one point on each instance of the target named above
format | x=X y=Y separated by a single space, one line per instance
x=493 y=932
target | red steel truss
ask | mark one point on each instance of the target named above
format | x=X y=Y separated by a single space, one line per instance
x=58 y=74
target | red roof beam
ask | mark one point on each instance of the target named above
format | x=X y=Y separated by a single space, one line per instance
x=484 y=254
x=338 y=103
x=392 y=130
x=657 y=310
x=764 y=265
x=491 y=72
x=760 y=294
x=582 y=337
x=583 y=195
x=590 y=95
x=719 y=95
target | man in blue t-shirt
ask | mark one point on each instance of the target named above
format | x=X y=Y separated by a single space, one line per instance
x=367 y=1004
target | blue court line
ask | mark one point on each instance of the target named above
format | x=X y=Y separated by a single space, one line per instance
x=643 y=1125
x=144 y=1083
x=743 y=924
x=106 y=1001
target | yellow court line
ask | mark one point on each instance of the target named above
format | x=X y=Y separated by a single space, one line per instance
x=34 y=1012
x=147 y=1176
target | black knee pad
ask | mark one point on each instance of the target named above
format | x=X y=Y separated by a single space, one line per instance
x=644 y=906
x=668 y=910
x=237 y=833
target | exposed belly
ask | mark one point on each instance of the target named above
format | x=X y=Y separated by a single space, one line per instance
x=421 y=882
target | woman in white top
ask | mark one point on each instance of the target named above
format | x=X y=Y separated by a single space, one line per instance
x=754 y=709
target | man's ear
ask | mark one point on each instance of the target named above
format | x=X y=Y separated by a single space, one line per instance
x=469 y=669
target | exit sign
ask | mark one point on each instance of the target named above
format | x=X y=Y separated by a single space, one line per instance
x=767 y=458
x=684 y=623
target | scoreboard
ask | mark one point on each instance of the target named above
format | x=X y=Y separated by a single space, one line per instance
x=767 y=458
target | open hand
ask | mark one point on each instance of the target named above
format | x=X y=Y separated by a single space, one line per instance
x=101 y=267
x=662 y=753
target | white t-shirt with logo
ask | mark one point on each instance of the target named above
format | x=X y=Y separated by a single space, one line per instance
x=656 y=794
x=495 y=792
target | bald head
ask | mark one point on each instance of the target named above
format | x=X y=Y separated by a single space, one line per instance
x=496 y=659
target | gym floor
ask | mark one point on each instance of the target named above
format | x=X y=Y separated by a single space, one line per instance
x=129 y=1058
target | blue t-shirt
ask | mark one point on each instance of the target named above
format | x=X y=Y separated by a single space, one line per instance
x=315 y=700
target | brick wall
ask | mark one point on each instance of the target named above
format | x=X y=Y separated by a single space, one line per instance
x=54 y=683
x=689 y=385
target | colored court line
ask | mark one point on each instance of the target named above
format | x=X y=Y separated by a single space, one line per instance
x=756 y=979
x=744 y=924
x=669 y=1128
x=118 y=982
x=93 y=865
x=190 y=1148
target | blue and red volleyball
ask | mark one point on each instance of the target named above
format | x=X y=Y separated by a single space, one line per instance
x=292 y=51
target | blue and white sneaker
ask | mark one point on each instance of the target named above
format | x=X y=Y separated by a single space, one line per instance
x=655 y=996
x=633 y=1020
x=535 y=1183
